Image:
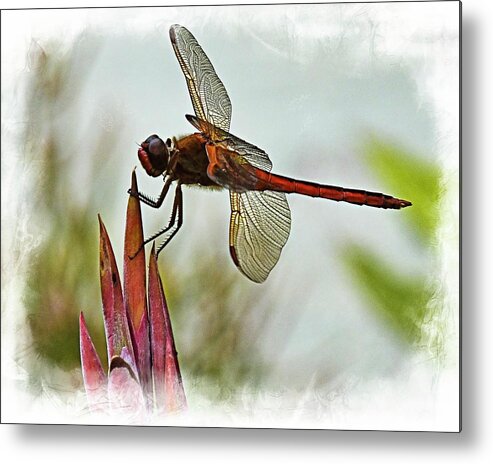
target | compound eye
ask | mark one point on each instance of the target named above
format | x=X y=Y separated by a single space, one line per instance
x=151 y=138
x=154 y=155
x=157 y=147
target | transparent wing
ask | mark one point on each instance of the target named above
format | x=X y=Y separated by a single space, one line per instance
x=259 y=228
x=209 y=97
x=254 y=155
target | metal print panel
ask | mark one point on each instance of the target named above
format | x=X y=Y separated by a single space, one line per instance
x=232 y=216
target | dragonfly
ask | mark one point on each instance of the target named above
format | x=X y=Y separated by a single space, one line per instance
x=212 y=157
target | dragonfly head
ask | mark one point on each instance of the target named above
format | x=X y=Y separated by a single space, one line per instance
x=154 y=155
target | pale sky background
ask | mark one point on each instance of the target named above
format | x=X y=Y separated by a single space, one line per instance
x=307 y=84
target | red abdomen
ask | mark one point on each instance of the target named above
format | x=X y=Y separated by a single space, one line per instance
x=269 y=181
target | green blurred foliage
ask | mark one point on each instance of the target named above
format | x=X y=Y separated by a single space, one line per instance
x=412 y=178
x=402 y=300
x=63 y=275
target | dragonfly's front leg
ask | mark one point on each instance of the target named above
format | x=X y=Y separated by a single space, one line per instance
x=174 y=223
x=148 y=200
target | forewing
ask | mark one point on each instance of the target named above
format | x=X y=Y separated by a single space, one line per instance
x=209 y=97
x=259 y=228
x=254 y=155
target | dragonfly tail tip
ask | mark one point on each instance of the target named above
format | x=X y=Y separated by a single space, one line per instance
x=405 y=203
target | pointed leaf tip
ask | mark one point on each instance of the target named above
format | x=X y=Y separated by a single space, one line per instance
x=134 y=268
x=133 y=183
x=134 y=279
x=115 y=317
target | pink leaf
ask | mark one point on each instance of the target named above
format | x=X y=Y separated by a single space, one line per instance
x=124 y=391
x=92 y=371
x=134 y=278
x=168 y=386
x=115 y=316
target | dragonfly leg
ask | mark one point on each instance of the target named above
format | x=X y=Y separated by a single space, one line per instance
x=173 y=222
x=176 y=220
x=177 y=210
x=148 y=200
